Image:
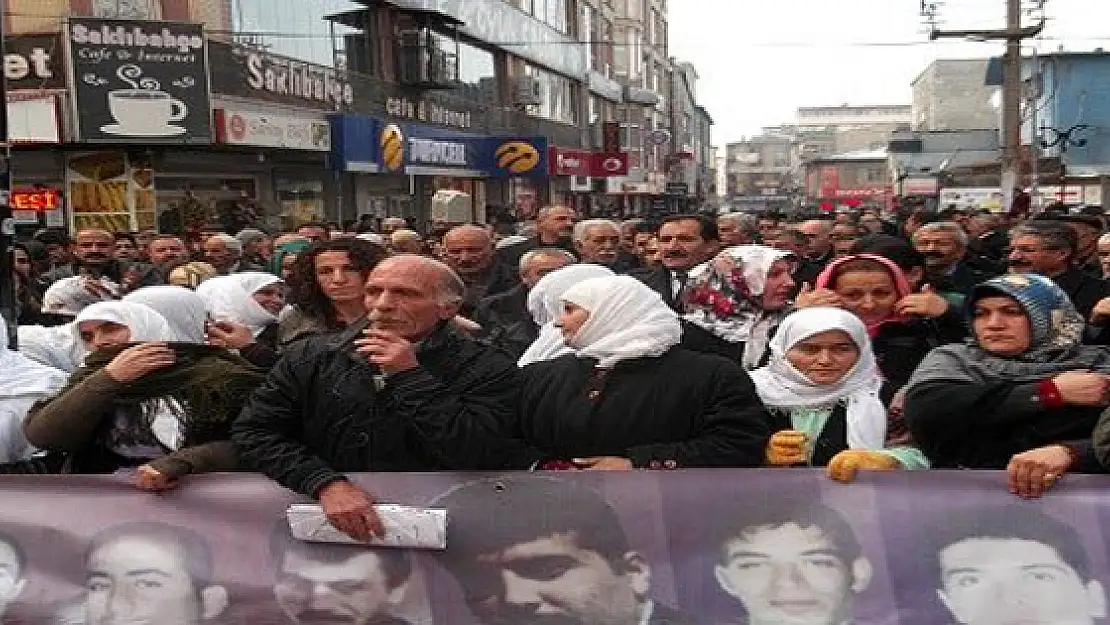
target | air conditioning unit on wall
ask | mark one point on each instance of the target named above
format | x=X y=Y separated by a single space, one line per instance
x=528 y=92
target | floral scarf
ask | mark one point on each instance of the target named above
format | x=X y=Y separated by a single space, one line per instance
x=725 y=297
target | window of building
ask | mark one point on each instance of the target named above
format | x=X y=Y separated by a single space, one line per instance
x=477 y=69
x=558 y=96
x=550 y=12
x=127 y=9
x=293 y=28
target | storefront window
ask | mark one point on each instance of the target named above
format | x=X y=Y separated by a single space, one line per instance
x=300 y=200
x=476 y=189
x=293 y=28
x=558 y=96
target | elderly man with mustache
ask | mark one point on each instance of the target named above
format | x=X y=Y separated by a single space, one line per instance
x=94 y=252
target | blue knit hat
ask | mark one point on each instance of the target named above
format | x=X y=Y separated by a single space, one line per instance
x=1054 y=322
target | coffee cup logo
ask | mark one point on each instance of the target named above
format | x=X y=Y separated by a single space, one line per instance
x=392 y=144
x=518 y=157
x=144 y=110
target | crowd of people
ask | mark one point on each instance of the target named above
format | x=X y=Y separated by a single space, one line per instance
x=849 y=342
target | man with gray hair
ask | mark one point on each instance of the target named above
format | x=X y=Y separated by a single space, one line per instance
x=554 y=227
x=944 y=246
x=737 y=229
x=598 y=241
x=398 y=391
x=504 y=318
x=224 y=252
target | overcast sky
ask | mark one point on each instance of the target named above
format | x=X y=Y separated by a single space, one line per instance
x=760 y=60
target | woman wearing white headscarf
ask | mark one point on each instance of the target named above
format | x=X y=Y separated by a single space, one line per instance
x=22 y=383
x=244 y=309
x=69 y=296
x=825 y=393
x=141 y=400
x=734 y=302
x=545 y=304
x=55 y=346
x=629 y=396
x=183 y=309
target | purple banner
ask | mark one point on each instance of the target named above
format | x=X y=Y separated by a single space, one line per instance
x=714 y=547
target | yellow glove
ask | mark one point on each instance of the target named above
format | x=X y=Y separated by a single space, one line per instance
x=844 y=465
x=787 y=448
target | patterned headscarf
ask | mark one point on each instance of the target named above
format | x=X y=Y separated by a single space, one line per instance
x=1055 y=329
x=725 y=297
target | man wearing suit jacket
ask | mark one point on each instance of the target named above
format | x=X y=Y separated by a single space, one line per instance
x=685 y=241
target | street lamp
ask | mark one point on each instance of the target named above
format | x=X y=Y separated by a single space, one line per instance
x=1063 y=139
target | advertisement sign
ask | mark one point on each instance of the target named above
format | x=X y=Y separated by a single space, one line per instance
x=35 y=199
x=693 y=546
x=258 y=75
x=139 y=82
x=570 y=162
x=34 y=62
x=920 y=186
x=235 y=127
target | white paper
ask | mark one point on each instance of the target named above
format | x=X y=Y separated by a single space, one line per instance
x=405 y=526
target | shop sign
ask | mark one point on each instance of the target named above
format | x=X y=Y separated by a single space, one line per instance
x=250 y=73
x=919 y=186
x=37 y=200
x=429 y=112
x=139 y=82
x=570 y=162
x=272 y=131
x=860 y=193
x=445 y=153
x=33 y=62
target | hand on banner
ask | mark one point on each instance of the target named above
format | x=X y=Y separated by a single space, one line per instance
x=135 y=362
x=603 y=463
x=1083 y=388
x=392 y=352
x=1033 y=472
x=153 y=480
x=924 y=304
x=844 y=465
x=229 y=335
x=351 y=511
x=787 y=448
x=810 y=298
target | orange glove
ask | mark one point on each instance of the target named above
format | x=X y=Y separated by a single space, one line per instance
x=787 y=448
x=844 y=465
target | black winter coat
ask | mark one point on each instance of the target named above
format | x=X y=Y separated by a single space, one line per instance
x=900 y=347
x=682 y=409
x=324 y=410
x=981 y=426
x=506 y=322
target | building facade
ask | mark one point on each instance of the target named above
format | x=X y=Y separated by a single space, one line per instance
x=952 y=95
x=290 y=79
x=761 y=172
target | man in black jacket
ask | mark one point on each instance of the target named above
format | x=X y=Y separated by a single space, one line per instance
x=685 y=241
x=398 y=392
x=944 y=246
x=94 y=256
x=468 y=249
x=504 y=318
x=537 y=550
x=1048 y=248
x=554 y=226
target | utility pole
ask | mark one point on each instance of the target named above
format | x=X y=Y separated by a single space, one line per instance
x=7 y=226
x=1013 y=35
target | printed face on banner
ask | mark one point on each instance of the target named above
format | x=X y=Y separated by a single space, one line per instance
x=134 y=579
x=328 y=591
x=553 y=581
x=991 y=581
x=11 y=573
x=791 y=575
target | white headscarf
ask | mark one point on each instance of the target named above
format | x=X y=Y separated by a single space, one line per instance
x=627 y=320
x=545 y=304
x=145 y=323
x=58 y=347
x=69 y=296
x=183 y=309
x=781 y=386
x=231 y=298
x=748 y=323
x=22 y=383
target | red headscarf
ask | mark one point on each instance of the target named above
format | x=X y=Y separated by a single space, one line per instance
x=901 y=284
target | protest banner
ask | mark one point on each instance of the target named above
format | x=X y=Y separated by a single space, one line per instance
x=656 y=547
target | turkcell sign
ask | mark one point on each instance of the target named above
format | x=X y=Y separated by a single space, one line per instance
x=435 y=152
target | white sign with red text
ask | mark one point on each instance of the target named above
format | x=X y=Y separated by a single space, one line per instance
x=273 y=131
